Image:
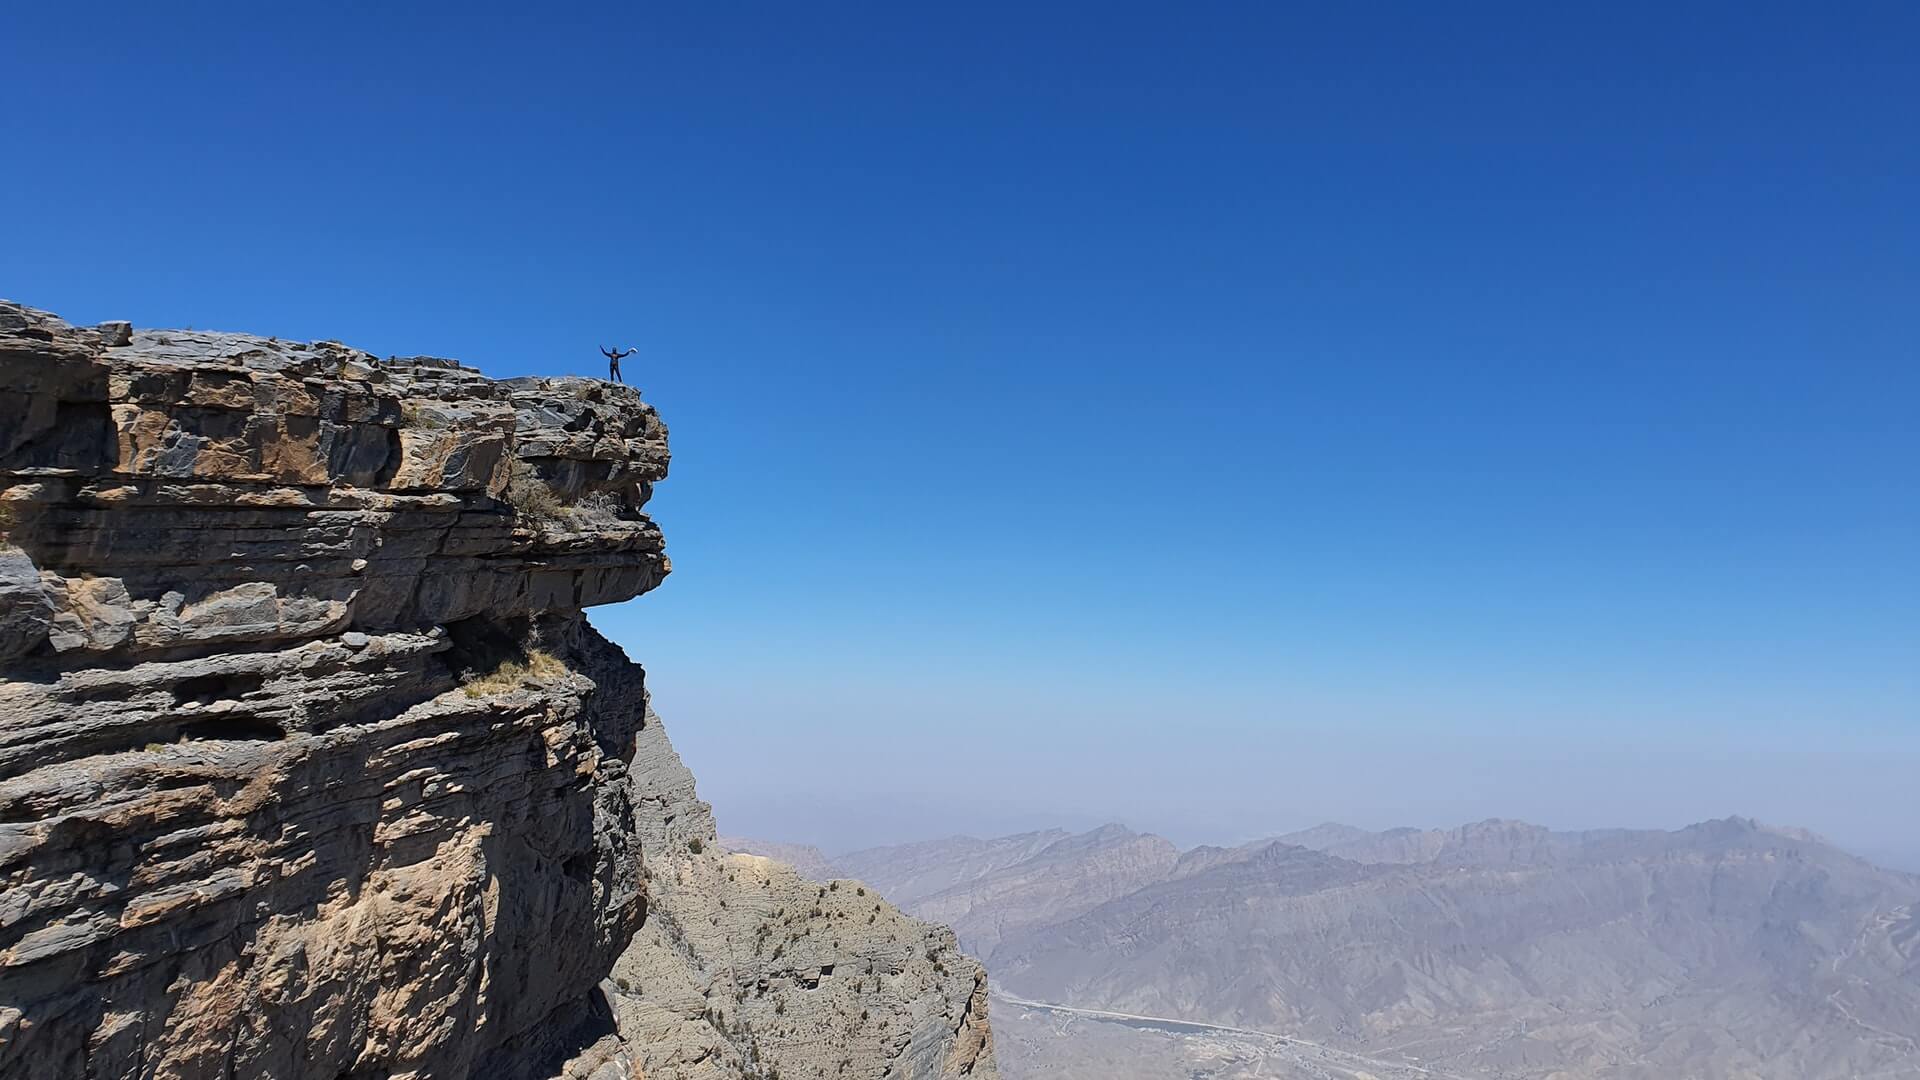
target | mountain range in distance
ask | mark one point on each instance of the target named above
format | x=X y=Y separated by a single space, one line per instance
x=1727 y=949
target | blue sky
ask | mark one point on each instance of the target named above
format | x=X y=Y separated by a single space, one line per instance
x=1215 y=417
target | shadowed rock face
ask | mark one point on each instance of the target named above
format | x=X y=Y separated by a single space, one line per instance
x=746 y=968
x=310 y=765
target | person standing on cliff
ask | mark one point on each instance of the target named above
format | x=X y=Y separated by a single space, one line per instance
x=614 y=357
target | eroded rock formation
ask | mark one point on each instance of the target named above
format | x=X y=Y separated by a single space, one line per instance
x=310 y=765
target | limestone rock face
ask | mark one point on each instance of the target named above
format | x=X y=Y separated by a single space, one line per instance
x=193 y=489
x=746 y=968
x=310 y=765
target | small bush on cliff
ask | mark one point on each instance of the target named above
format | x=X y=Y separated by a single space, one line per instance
x=530 y=496
x=537 y=664
x=595 y=508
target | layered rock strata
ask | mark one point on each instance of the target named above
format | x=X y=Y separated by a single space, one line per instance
x=310 y=765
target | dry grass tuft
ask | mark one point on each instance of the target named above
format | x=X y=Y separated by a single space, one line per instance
x=595 y=509
x=512 y=674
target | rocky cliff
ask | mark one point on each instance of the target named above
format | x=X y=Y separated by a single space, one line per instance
x=310 y=765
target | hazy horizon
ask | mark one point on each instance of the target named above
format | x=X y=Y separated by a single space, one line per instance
x=839 y=827
x=1220 y=423
x=1858 y=796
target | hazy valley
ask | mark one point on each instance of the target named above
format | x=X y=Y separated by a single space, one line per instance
x=1497 y=949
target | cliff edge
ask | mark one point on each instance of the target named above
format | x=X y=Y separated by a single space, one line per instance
x=311 y=766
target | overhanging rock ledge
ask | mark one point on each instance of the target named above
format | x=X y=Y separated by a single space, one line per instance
x=311 y=766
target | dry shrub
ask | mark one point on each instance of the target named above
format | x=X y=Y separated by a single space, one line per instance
x=595 y=508
x=530 y=496
x=512 y=674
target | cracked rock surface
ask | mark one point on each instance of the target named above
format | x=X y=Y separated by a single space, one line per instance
x=311 y=766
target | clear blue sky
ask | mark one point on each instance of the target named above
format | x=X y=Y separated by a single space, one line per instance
x=1216 y=417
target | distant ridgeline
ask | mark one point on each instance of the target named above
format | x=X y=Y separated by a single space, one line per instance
x=1726 y=949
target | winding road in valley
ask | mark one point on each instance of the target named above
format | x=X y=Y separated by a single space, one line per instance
x=1300 y=1053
